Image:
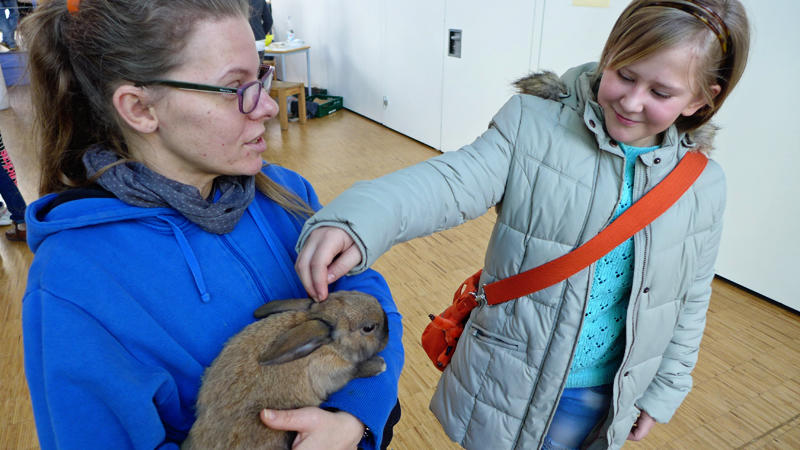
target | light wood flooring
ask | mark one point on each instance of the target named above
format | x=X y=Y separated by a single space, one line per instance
x=747 y=382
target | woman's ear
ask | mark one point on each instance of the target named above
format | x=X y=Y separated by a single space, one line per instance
x=133 y=106
x=699 y=102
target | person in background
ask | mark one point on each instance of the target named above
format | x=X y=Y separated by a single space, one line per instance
x=161 y=229
x=13 y=212
x=8 y=25
x=260 y=20
x=605 y=355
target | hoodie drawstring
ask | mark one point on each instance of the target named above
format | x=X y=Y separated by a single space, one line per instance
x=191 y=260
x=280 y=254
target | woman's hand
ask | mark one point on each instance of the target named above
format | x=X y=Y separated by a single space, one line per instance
x=328 y=254
x=317 y=428
x=642 y=426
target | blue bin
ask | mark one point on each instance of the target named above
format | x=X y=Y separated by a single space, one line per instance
x=15 y=70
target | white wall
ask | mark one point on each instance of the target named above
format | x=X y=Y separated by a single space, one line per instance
x=572 y=35
x=365 y=49
x=384 y=57
x=496 y=48
x=759 y=146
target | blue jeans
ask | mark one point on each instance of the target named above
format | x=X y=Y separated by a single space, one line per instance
x=579 y=410
x=9 y=26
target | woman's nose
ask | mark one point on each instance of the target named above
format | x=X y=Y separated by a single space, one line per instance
x=266 y=109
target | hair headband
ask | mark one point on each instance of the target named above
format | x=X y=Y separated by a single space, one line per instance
x=697 y=10
x=72 y=6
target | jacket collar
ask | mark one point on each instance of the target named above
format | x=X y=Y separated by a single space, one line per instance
x=577 y=89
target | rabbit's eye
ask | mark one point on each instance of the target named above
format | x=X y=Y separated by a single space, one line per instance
x=368 y=329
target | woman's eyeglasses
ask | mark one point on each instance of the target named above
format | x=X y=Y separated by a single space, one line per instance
x=248 y=93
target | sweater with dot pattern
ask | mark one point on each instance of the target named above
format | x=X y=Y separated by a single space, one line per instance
x=602 y=338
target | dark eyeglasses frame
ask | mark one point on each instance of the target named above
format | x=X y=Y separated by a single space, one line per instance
x=265 y=81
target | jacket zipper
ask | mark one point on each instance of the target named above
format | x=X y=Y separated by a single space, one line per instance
x=259 y=286
x=636 y=303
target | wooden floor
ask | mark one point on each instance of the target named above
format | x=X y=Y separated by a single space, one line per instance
x=747 y=382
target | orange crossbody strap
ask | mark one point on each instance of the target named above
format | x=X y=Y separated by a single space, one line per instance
x=647 y=209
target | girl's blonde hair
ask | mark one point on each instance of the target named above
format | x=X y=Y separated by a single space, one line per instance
x=77 y=60
x=647 y=26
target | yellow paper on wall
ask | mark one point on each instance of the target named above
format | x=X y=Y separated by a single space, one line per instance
x=595 y=3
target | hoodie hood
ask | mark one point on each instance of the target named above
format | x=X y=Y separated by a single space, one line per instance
x=86 y=208
x=577 y=89
x=92 y=207
x=43 y=219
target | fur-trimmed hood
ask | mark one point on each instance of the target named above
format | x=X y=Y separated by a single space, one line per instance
x=579 y=86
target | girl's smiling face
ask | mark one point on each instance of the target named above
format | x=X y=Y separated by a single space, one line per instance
x=644 y=98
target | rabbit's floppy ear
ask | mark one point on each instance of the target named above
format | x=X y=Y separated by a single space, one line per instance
x=279 y=306
x=297 y=342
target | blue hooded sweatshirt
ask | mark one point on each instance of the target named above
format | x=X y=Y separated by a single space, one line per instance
x=126 y=306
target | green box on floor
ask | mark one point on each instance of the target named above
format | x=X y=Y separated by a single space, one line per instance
x=328 y=104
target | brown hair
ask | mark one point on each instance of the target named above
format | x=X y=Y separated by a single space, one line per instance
x=647 y=26
x=78 y=59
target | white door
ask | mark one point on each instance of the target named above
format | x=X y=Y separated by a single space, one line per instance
x=413 y=51
x=495 y=46
x=352 y=51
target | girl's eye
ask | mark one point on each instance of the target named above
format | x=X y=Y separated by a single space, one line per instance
x=624 y=77
x=661 y=94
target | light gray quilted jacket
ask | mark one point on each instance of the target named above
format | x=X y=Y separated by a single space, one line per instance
x=556 y=177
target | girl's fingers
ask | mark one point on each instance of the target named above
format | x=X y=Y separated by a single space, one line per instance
x=328 y=254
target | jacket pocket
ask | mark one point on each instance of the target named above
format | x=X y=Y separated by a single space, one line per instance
x=485 y=336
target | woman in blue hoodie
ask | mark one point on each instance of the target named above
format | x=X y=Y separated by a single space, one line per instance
x=162 y=229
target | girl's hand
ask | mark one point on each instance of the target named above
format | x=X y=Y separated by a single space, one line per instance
x=642 y=426
x=317 y=428
x=328 y=254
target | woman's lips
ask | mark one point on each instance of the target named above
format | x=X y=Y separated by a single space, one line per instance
x=258 y=144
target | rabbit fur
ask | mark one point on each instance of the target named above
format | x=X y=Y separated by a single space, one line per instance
x=296 y=355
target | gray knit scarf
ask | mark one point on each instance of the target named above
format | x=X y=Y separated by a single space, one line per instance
x=135 y=184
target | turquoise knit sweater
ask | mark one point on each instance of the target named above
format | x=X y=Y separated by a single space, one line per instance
x=602 y=338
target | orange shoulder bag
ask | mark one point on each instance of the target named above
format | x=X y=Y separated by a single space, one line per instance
x=440 y=337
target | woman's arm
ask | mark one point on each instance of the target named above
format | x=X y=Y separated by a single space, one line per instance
x=371 y=399
x=87 y=390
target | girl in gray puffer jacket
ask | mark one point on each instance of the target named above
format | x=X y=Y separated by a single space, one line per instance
x=603 y=356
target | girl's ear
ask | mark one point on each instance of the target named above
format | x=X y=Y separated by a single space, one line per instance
x=699 y=101
x=132 y=105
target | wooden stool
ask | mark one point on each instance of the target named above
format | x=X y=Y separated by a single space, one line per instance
x=281 y=90
x=271 y=62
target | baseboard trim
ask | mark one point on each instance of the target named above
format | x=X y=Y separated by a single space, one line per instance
x=759 y=296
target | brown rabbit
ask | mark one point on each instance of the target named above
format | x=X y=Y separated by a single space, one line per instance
x=297 y=355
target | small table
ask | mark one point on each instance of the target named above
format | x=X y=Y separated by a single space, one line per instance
x=281 y=49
